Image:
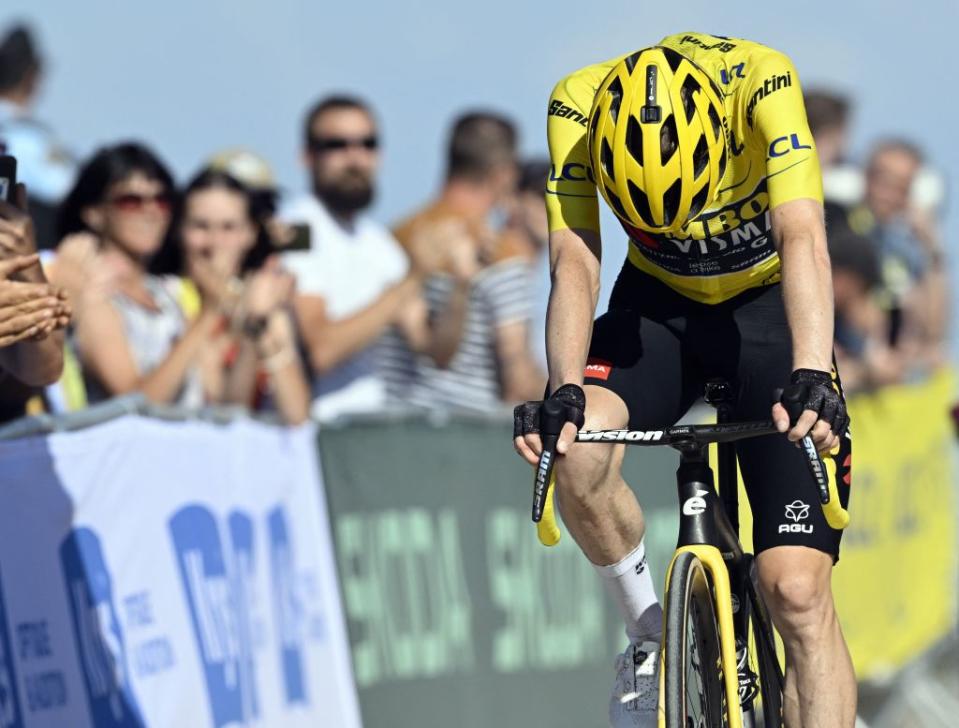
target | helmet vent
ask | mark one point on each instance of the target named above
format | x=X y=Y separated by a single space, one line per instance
x=631 y=61
x=617 y=205
x=700 y=157
x=671 y=202
x=634 y=140
x=606 y=159
x=616 y=91
x=722 y=164
x=672 y=58
x=714 y=118
x=668 y=139
x=699 y=201
x=689 y=87
x=641 y=203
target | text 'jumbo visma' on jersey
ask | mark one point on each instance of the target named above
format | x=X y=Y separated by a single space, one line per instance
x=728 y=248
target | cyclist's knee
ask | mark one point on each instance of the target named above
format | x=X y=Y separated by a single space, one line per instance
x=796 y=584
x=587 y=467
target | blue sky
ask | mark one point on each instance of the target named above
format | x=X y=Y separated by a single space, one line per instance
x=194 y=77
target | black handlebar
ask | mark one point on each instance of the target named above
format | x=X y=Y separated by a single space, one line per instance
x=680 y=437
x=551 y=421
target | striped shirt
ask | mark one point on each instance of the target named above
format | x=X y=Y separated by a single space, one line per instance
x=500 y=295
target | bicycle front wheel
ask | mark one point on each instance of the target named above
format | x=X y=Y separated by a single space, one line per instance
x=694 y=696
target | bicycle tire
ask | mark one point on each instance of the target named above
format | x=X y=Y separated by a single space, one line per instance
x=764 y=658
x=694 y=691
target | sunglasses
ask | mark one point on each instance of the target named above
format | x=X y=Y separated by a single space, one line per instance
x=132 y=202
x=319 y=145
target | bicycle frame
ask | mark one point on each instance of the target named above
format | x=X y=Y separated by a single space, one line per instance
x=706 y=531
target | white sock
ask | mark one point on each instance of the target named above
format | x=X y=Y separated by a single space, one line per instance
x=630 y=585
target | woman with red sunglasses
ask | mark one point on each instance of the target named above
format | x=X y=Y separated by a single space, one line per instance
x=130 y=333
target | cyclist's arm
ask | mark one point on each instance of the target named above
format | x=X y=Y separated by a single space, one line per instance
x=574 y=242
x=794 y=182
x=800 y=237
x=574 y=270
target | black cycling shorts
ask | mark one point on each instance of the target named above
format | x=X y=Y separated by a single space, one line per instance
x=656 y=349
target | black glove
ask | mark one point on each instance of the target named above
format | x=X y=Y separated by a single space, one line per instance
x=810 y=389
x=526 y=416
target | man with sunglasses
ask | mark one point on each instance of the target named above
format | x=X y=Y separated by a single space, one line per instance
x=355 y=278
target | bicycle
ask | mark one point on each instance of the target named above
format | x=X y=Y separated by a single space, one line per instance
x=719 y=665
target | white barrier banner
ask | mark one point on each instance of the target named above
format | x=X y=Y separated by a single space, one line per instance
x=169 y=574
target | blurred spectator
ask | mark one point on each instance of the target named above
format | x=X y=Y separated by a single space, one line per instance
x=33 y=314
x=130 y=333
x=252 y=357
x=473 y=330
x=250 y=169
x=828 y=115
x=355 y=279
x=863 y=353
x=528 y=223
x=910 y=249
x=253 y=172
x=43 y=164
x=528 y=210
x=257 y=176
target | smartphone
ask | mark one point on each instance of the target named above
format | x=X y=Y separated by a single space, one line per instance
x=8 y=177
x=295 y=237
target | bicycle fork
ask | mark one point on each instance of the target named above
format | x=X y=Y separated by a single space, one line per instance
x=705 y=531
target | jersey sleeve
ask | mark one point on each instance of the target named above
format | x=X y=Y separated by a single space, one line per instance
x=776 y=116
x=570 y=193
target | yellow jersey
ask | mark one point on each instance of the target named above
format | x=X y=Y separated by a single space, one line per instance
x=728 y=247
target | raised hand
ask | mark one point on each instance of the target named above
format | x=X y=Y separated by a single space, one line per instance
x=28 y=310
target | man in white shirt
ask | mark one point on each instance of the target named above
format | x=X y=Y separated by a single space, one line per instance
x=355 y=278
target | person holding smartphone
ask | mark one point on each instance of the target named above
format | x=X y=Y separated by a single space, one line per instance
x=220 y=239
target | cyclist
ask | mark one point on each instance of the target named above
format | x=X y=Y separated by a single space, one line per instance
x=700 y=146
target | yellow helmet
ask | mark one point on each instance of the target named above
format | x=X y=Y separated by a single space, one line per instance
x=656 y=139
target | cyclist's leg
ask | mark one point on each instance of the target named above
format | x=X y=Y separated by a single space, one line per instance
x=820 y=686
x=635 y=376
x=599 y=509
x=796 y=547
